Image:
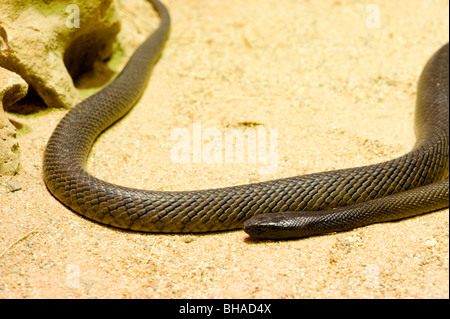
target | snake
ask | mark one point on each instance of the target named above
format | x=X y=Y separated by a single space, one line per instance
x=293 y=207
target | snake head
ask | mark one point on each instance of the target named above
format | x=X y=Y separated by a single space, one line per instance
x=267 y=226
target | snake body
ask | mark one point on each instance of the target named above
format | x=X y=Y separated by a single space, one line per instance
x=290 y=207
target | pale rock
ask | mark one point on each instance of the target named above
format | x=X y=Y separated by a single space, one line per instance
x=47 y=45
x=12 y=89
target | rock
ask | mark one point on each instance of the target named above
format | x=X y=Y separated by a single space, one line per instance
x=14 y=187
x=48 y=43
x=12 y=89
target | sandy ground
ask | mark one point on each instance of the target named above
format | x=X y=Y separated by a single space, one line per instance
x=338 y=90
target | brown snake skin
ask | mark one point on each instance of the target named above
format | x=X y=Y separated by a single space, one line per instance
x=418 y=179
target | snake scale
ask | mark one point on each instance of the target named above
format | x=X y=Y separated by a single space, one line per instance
x=311 y=204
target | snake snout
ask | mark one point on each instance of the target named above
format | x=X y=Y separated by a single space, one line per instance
x=264 y=226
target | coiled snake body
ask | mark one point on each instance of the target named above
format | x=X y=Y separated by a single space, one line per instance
x=291 y=207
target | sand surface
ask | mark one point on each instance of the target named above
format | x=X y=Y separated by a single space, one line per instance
x=339 y=92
